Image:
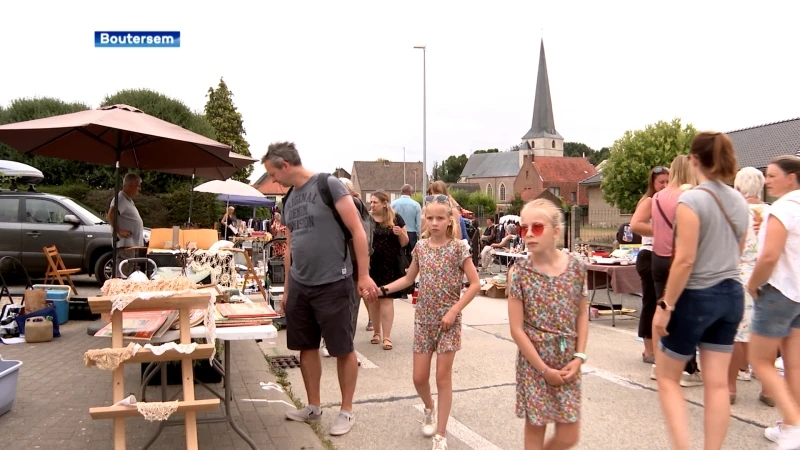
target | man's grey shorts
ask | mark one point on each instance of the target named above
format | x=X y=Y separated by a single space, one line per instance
x=325 y=311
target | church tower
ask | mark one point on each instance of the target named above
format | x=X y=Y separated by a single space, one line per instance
x=542 y=139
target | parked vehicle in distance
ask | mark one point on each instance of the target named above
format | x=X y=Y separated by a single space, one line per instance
x=30 y=221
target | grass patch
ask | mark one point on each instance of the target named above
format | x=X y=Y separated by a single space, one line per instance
x=283 y=380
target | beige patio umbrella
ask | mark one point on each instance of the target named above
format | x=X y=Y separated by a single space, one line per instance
x=118 y=135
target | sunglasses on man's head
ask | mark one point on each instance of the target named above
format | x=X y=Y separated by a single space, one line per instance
x=536 y=228
x=437 y=198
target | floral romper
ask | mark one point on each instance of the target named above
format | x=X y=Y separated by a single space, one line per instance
x=441 y=278
x=747 y=264
x=550 y=313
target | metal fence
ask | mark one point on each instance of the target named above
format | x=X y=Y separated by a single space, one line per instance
x=597 y=227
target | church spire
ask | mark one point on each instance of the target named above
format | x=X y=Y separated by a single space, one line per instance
x=543 y=125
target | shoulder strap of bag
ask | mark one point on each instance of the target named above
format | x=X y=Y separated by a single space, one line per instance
x=721 y=208
x=658 y=205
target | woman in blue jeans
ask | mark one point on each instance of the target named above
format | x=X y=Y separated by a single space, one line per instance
x=775 y=287
x=704 y=300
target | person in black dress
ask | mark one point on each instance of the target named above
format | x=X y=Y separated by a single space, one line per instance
x=229 y=224
x=389 y=238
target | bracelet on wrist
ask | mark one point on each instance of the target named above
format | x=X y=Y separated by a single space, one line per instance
x=543 y=371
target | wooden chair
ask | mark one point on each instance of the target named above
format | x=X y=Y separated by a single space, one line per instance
x=56 y=268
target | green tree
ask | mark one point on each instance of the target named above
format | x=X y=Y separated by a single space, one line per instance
x=515 y=207
x=382 y=160
x=451 y=168
x=57 y=172
x=435 y=175
x=227 y=122
x=173 y=111
x=635 y=153
x=491 y=150
x=577 y=149
x=600 y=156
x=478 y=201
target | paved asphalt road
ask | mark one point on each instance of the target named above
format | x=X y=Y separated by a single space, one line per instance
x=620 y=402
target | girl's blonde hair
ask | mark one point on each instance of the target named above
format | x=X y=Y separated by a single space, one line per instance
x=680 y=172
x=388 y=216
x=549 y=208
x=453 y=228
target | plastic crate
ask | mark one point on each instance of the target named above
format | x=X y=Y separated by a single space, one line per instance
x=9 y=373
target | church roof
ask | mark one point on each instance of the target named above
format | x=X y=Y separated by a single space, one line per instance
x=483 y=165
x=524 y=146
x=543 y=124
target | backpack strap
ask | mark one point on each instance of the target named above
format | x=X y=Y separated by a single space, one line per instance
x=721 y=208
x=658 y=205
x=327 y=198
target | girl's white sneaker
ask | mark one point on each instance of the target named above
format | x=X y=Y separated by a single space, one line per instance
x=429 y=422
x=439 y=443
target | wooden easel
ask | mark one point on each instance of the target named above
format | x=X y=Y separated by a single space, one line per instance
x=188 y=406
x=251 y=272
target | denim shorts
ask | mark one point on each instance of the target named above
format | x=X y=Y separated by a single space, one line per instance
x=774 y=314
x=705 y=318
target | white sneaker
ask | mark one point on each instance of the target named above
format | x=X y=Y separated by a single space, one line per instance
x=303 y=415
x=744 y=375
x=343 y=423
x=691 y=380
x=439 y=443
x=789 y=438
x=429 y=422
x=325 y=352
x=653 y=372
x=773 y=433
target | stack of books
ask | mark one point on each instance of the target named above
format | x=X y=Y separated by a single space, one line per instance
x=143 y=325
x=244 y=314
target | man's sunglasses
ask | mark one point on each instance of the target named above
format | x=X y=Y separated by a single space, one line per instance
x=536 y=228
x=437 y=198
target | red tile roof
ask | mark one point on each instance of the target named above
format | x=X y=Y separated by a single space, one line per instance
x=569 y=169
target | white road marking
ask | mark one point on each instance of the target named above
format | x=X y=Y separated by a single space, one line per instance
x=608 y=376
x=365 y=363
x=460 y=431
x=618 y=330
x=259 y=400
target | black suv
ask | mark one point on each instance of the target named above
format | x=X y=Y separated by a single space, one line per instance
x=30 y=221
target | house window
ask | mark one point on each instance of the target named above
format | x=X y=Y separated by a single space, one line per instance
x=489 y=191
x=555 y=191
x=502 y=192
x=526 y=174
x=573 y=197
x=554 y=143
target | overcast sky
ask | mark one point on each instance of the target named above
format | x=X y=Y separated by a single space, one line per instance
x=342 y=80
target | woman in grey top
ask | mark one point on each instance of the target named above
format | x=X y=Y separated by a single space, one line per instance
x=704 y=300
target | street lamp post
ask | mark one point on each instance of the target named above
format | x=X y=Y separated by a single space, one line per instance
x=415 y=183
x=424 y=122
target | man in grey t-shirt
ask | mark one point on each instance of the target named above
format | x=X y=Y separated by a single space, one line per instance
x=130 y=227
x=319 y=295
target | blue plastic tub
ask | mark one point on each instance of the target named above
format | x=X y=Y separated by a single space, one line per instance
x=9 y=373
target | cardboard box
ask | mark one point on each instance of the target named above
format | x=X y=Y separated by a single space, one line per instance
x=494 y=291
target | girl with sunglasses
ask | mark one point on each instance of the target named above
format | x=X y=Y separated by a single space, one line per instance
x=549 y=321
x=441 y=259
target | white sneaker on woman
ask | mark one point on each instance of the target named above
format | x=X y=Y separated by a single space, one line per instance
x=439 y=443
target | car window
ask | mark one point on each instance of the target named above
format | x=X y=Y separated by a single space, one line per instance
x=9 y=210
x=44 y=211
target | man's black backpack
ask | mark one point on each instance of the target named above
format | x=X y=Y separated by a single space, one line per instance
x=327 y=197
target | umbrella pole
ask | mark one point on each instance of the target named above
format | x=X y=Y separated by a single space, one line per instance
x=191 y=197
x=115 y=234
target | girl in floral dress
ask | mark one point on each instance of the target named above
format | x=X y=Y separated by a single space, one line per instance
x=441 y=259
x=548 y=316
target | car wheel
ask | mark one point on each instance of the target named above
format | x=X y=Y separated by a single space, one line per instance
x=103 y=269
